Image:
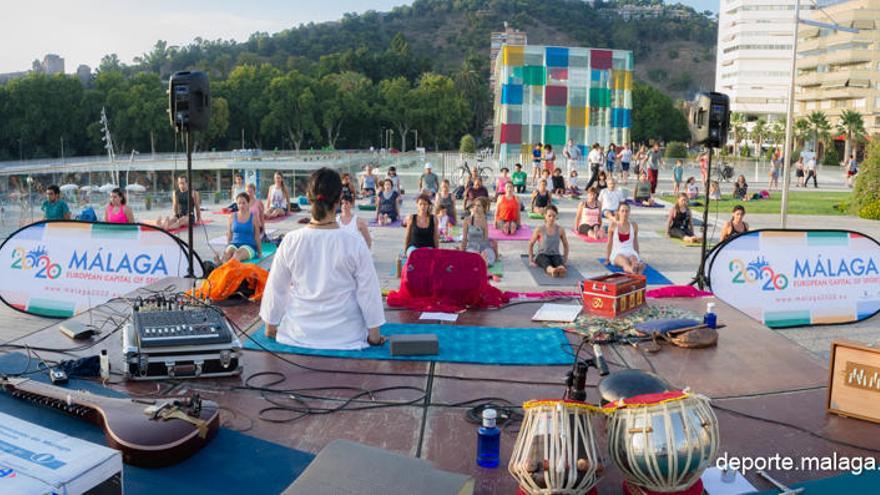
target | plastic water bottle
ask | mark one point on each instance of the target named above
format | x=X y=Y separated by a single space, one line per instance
x=709 y=319
x=488 y=441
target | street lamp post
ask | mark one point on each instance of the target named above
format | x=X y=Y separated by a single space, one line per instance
x=789 y=117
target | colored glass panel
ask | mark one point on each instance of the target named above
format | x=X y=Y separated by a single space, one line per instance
x=557 y=57
x=600 y=59
x=511 y=133
x=555 y=95
x=513 y=54
x=600 y=97
x=554 y=134
x=576 y=117
x=511 y=94
x=534 y=75
x=555 y=115
x=577 y=96
x=557 y=75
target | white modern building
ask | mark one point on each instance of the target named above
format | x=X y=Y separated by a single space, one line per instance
x=754 y=55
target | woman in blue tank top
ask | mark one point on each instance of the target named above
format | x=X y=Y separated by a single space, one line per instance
x=243 y=232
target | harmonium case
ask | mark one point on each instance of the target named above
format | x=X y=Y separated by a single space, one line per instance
x=613 y=295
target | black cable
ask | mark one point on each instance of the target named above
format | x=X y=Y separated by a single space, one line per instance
x=795 y=427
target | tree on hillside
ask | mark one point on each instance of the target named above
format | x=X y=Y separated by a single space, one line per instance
x=247 y=91
x=293 y=108
x=819 y=128
x=218 y=125
x=853 y=127
x=656 y=117
x=442 y=112
x=473 y=83
x=398 y=106
x=344 y=97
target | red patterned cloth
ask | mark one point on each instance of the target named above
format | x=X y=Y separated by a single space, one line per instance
x=445 y=280
x=677 y=291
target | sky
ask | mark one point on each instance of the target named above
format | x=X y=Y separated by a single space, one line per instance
x=83 y=31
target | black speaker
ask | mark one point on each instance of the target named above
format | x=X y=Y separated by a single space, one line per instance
x=710 y=119
x=189 y=101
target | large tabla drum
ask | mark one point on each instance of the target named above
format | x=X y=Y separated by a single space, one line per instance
x=662 y=442
x=555 y=451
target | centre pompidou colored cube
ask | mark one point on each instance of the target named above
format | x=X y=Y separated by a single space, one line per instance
x=548 y=95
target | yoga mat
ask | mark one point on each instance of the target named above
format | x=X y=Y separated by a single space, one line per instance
x=589 y=239
x=523 y=233
x=363 y=207
x=204 y=221
x=269 y=249
x=396 y=223
x=458 y=344
x=220 y=240
x=536 y=216
x=654 y=277
x=709 y=245
x=224 y=465
x=277 y=219
x=571 y=278
x=497 y=269
x=637 y=204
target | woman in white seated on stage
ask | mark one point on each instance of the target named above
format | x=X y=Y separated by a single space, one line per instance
x=323 y=291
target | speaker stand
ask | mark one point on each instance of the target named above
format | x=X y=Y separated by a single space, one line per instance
x=190 y=273
x=700 y=278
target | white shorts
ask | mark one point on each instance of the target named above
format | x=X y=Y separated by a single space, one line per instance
x=570 y=165
x=626 y=252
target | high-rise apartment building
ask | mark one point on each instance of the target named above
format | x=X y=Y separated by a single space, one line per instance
x=753 y=63
x=52 y=64
x=837 y=70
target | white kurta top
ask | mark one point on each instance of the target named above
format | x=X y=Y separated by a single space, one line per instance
x=323 y=290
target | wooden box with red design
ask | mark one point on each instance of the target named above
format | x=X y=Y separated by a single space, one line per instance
x=612 y=295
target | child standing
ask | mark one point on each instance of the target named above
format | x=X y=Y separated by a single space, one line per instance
x=677 y=172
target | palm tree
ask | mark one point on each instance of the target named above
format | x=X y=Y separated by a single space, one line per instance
x=852 y=125
x=777 y=132
x=759 y=134
x=801 y=132
x=738 y=127
x=819 y=126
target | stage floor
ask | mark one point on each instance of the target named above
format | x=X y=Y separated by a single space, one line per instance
x=753 y=371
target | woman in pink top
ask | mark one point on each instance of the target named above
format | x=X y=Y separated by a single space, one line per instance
x=256 y=206
x=117 y=211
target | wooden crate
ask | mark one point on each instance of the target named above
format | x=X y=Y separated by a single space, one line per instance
x=854 y=381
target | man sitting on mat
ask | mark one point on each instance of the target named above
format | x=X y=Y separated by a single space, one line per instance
x=323 y=291
x=507 y=211
x=183 y=201
x=548 y=237
x=243 y=232
x=623 y=243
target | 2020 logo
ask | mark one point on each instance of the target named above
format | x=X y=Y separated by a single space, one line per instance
x=758 y=270
x=35 y=259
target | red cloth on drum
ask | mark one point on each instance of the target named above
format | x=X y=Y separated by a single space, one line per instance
x=695 y=489
x=647 y=399
x=445 y=280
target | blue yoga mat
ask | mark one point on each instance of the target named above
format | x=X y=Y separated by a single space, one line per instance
x=654 y=277
x=458 y=344
x=866 y=482
x=231 y=463
x=269 y=249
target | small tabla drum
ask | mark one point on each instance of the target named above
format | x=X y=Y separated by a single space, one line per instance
x=662 y=442
x=556 y=451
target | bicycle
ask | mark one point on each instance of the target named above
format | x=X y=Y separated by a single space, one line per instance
x=465 y=172
x=724 y=172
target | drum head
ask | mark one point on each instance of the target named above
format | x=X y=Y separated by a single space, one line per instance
x=630 y=383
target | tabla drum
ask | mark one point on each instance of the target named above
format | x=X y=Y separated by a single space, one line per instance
x=662 y=442
x=556 y=451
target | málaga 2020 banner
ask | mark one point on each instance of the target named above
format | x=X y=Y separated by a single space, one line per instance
x=61 y=268
x=788 y=278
